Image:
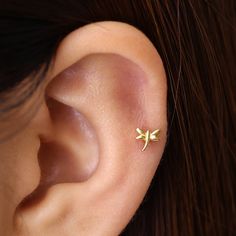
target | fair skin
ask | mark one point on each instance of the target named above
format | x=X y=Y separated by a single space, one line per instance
x=80 y=145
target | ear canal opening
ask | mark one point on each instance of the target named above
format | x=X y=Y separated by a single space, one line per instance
x=69 y=155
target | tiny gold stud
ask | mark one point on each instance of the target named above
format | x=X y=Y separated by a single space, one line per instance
x=148 y=136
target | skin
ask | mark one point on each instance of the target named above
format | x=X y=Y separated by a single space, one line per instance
x=74 y=169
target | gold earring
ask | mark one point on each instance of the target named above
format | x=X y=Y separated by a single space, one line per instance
x=148 y=136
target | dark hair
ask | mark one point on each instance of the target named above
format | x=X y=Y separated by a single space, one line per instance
x=193 y=191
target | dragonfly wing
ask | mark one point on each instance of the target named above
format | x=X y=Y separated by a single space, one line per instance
x=141 y=136
x=139 y=131
x=155 y=135
x=156 y=131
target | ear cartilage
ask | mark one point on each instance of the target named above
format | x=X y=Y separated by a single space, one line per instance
x=148 y=136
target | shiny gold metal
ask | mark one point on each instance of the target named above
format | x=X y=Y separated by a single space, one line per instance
x=148 y=136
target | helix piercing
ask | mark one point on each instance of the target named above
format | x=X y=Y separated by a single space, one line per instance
x=148 y=136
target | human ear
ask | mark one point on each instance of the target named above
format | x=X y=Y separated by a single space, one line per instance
x=106 y=81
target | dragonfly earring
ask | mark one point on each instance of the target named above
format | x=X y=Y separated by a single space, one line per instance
x=148 y=136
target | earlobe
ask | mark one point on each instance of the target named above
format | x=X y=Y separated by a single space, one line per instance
x=106 y=82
